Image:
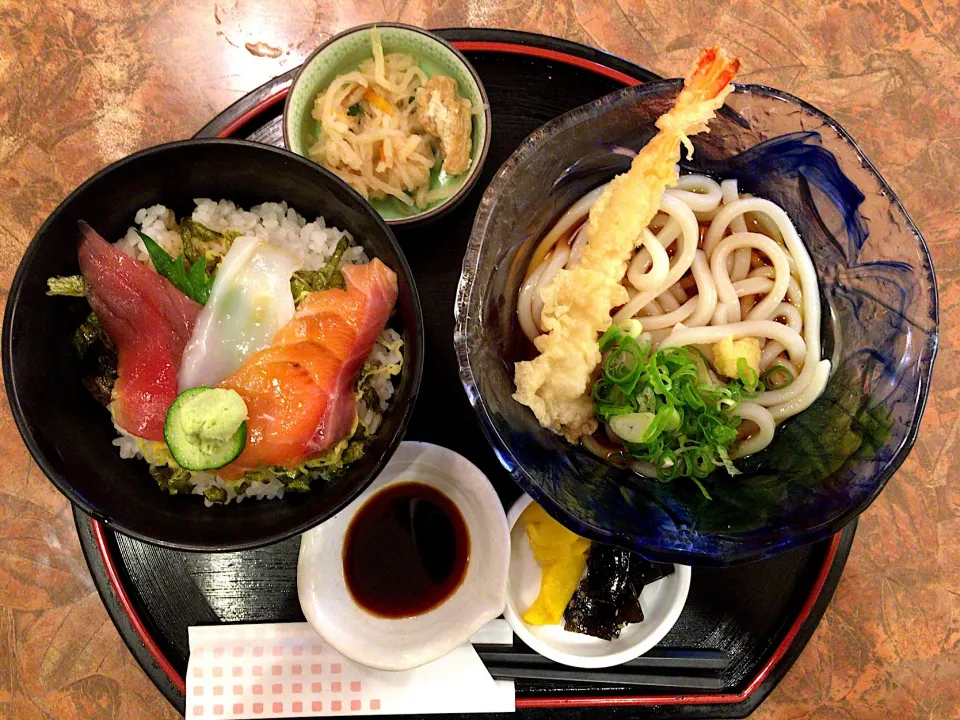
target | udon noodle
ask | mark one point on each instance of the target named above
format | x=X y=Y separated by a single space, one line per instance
x=713 y=264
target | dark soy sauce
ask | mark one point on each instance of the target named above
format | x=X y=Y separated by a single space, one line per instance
x=406 y=551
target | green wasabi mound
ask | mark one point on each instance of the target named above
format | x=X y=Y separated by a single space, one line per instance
x=206 y=428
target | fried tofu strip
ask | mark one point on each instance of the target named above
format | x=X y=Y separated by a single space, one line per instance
x=578 y=302
x=445 y=114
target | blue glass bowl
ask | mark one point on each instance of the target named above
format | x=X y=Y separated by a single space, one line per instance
x=826 y=465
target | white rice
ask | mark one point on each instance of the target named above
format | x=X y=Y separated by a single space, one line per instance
x=158 y=223
x=277 y=223
x=314 y=243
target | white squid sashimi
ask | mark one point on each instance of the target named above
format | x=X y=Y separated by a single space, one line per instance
x=249 y=302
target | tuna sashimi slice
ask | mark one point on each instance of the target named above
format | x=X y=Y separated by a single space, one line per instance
x=148 y=320
x=299 y=391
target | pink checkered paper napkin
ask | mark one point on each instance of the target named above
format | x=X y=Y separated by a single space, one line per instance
x=286 y=671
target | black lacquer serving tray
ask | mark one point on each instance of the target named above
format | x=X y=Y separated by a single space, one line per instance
x=761 y=615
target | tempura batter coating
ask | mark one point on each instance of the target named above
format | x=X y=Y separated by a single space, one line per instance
x=577 y=303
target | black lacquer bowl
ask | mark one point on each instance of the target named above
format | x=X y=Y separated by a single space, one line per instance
x=825 y=465
x=70 y=435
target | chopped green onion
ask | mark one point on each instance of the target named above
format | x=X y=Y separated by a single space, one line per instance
x=672 y=416
x=748 y=376
x=702 y=488
x=647 y=400
x=610 y=338
x=666 y=408
x=632 y=427
x=623 y=367
x=632 y=327
x=777 y=371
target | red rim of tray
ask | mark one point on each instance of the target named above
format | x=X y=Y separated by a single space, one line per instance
x=573 y=701
x=100 y=537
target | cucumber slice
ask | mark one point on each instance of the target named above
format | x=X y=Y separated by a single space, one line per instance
x=206 y=428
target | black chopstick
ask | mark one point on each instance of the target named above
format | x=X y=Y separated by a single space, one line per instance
x=690 y=659
x=558 y=673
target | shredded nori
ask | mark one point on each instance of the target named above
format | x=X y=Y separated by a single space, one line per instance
x=300 y=484
x=355 y=450
x=216 y=495
x=198 y=239
x=175 y=481
x=67 y=286
x=99 y=381
x=89 y=332
x=329 y=276
x=98 y=358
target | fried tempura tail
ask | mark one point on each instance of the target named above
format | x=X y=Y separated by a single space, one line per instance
x=711 y=74
x=578 y=301
x=705 y=88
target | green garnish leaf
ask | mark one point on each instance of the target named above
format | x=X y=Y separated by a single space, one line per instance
x=329 y=275
x=90 y=331
x=162 y=261
x=193 y=283
x=67 y=285
x=355 y=110
x=197 y=278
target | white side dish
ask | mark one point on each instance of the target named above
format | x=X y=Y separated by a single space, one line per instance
x=662 y=602
x=404 y=643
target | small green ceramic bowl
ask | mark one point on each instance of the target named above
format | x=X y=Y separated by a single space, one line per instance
x=343 y=53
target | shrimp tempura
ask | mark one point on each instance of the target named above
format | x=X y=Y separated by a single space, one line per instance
x=578 y=301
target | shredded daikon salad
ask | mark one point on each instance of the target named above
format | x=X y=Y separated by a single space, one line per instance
x=373 y=137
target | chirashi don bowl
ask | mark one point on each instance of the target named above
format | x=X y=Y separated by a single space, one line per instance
x=70 y=435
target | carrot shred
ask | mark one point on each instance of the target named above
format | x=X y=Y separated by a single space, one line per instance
x=378 y=101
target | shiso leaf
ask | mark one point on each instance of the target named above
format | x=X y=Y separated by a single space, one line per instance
x=195 y=284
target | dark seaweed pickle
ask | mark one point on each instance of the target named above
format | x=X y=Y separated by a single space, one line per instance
x=608 y=597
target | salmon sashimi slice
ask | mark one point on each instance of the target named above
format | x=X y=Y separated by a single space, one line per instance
x=148 y=320
x=299 y=391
